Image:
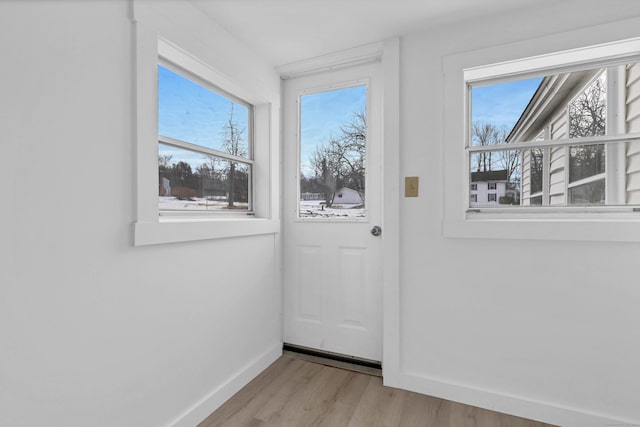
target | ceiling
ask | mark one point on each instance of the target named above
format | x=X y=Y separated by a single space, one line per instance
x=286 y=31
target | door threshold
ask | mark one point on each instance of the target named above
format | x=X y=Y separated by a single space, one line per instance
x=336 y=360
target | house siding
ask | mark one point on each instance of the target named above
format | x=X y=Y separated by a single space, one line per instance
x=633 y=125
x=558 y=161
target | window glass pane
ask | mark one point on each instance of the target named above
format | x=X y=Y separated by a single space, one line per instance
x=586 y=161
x=592 y=193
x=588 y=111
x=495 y=109
x=192 y=181
x=536 y=201
x=562 y=107
x=332 y=153
x=190 y=112
x=536 y=170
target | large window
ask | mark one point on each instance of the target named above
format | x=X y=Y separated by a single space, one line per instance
x=205 y=146
x=561 y=139
x=561 y=128
x=206 y=151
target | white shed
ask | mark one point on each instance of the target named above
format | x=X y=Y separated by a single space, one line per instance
x=347 y=196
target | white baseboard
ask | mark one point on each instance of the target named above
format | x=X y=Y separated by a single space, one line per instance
x=508 y=404
x=221 y=394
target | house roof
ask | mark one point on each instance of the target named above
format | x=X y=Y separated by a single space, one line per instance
x=552 y=94
x=489 y=176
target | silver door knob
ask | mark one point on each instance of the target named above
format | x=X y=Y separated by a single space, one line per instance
x=376 y=230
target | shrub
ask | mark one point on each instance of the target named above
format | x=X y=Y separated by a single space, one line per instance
x=183 y=193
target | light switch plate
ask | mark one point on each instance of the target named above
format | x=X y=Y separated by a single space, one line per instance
x=410 y=186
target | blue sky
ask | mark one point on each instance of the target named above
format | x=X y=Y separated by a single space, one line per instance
x=321 y=115
x=190 y=112
x=503 y=103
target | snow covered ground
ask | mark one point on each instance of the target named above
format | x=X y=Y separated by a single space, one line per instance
x=314 y=209
x=308 y=208
x=197 y=204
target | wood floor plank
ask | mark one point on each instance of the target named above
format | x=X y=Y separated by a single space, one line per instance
x=346 y=401
x=243 y=406
x=302 y=380
x=307 y=406
x=297 y=393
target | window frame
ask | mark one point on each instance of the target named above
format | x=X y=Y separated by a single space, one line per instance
x=520 y=60
x=262 y=91
x=212 y=152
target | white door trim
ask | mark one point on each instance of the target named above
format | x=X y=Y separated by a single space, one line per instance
x=391 y=182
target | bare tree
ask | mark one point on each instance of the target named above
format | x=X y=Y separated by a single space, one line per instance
x=484 y=134
x=234 y=143
x=341 y=162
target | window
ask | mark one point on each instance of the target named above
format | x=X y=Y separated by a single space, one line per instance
x=474 y=187
x=568 y=119
x=474 y=198
x=491 y=197
x=205 y=148
x=558 y=186
x=206 y=137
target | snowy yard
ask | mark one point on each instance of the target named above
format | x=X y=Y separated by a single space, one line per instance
x=197 y=204
x=314 y=209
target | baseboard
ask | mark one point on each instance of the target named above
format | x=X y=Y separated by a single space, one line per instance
x=508 y=404
x=212 y=401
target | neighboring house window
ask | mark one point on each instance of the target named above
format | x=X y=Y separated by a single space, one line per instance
x=474 y=187
x=204 y=146
x=492 y=186
x=587 y=168
x=491 y=197
x=474 y=198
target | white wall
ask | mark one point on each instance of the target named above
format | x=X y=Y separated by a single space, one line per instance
x=94 y=331
x=554 y=333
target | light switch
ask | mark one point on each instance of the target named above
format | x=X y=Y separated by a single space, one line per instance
x=410 y=186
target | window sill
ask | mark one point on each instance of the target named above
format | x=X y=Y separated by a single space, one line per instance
x=561 y=227
x=173 y=230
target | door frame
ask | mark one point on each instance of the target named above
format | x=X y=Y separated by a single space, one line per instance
x=388 y=53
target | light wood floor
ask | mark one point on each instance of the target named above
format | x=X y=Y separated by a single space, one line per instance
x=297 y=393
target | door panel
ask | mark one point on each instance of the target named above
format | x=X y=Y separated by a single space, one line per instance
x=332 y=265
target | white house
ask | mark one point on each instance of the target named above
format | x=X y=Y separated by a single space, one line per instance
x=488 y=188
x=114 y=314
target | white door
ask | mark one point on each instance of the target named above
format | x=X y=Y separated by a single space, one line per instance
x=332 y=201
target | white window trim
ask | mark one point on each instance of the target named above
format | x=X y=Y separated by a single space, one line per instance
x=522 y=60
x=149 y=227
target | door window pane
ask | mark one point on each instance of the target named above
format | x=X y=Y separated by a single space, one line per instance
x=333 y=129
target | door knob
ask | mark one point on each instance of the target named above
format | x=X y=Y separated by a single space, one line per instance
x=376 y=230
